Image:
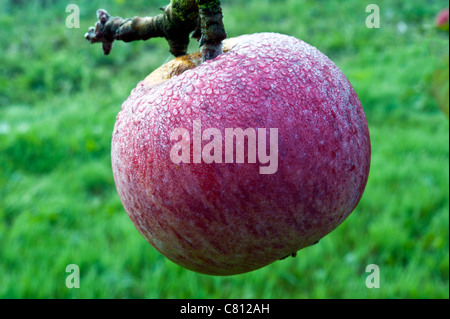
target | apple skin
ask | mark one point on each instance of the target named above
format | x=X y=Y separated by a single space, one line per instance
x=227 y=219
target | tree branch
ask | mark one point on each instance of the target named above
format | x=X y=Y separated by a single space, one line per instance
x=212 y=28
x=180 y=19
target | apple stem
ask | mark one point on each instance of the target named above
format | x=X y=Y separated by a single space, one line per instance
x=201 y=19
x=212 y=28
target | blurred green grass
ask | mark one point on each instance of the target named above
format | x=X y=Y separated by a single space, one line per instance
x=58 y=205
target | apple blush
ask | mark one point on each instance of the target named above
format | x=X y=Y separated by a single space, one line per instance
x=231 y=164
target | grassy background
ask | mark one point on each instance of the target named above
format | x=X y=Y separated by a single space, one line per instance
x=58 y=205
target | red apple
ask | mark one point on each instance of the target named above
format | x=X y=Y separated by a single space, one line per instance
x=441 y=20
x=218 y=217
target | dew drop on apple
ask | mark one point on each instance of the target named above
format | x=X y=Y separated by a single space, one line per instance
x=254 y=99
x=200 y=84
x=190 y=89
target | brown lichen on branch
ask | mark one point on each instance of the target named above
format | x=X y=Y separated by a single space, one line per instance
x=180 y=19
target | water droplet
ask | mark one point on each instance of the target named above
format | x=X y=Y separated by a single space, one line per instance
x=200 y=84
x=190 y=89
x=266 y=86
x=188 y=100
x=135 y=106
x=232 y=63
x=254 y=99
x=142 y=108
